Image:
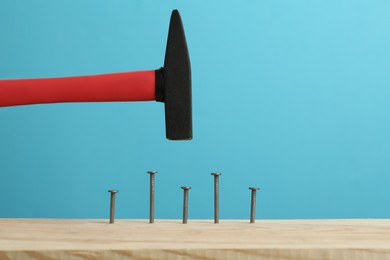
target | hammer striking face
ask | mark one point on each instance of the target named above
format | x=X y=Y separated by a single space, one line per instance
x=170 y=84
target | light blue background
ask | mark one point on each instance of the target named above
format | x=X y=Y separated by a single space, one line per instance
x=291 y=96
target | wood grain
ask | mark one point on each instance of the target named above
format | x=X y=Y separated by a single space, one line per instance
x=200 y=239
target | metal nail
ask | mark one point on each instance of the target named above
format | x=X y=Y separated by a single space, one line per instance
x=185 y=204
x=112 y=205
x=216 y=196
x=151 y=209
x=253 y=203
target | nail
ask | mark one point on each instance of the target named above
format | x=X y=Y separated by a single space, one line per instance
x=185 y=204
x=151 y=209
x=112 y=205
x=253 y=203
x=216 y=196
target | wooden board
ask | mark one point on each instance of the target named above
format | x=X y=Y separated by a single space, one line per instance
x=200 y=239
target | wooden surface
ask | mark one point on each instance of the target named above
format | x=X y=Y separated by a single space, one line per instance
x=201 y=239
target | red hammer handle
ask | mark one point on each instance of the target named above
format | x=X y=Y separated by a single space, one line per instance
x=127 y=86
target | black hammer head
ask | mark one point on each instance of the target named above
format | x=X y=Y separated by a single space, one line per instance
x=173 y=83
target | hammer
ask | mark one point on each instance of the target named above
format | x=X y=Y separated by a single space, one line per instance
x=170 y=84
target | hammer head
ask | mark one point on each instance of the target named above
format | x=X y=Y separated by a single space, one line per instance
x=174 y=88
